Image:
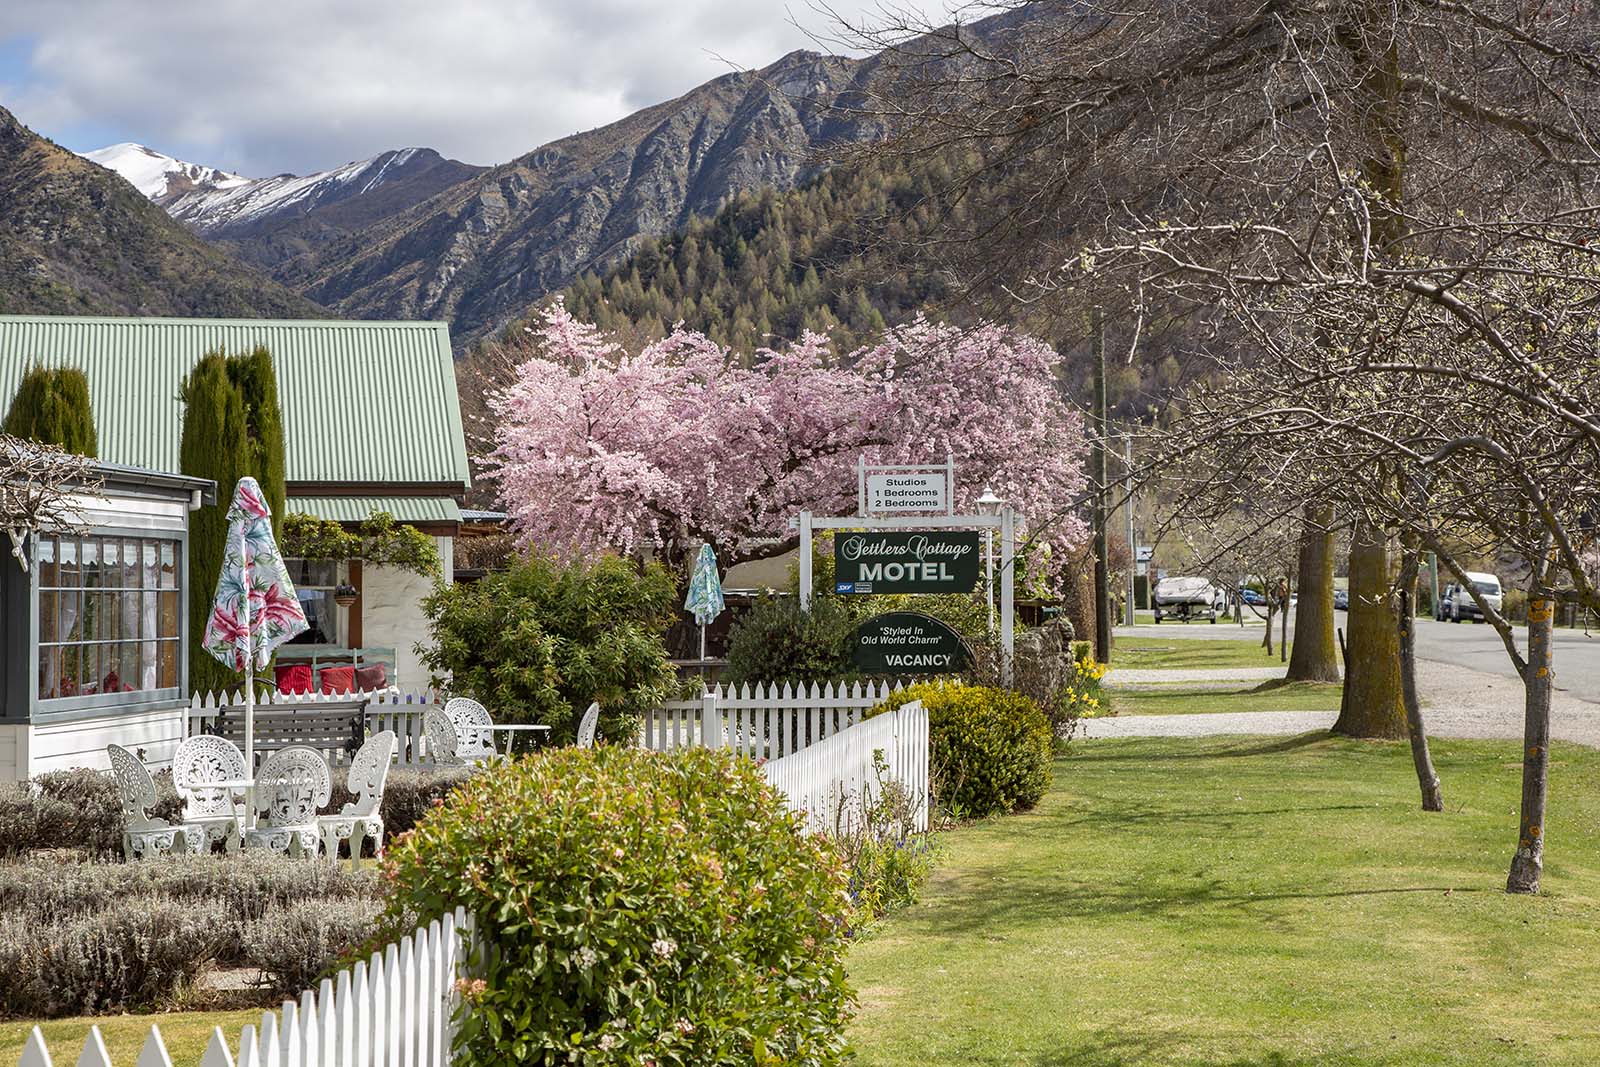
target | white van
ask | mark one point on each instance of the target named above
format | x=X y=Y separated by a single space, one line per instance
x=1456 y=603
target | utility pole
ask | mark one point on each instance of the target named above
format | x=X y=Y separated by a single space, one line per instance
x=1133 y=544
x=1097 y=472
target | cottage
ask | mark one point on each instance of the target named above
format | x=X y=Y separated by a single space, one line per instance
x=371 y=423
x=93 y=633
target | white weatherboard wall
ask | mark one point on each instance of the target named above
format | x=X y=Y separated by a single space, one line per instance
x=11 y=737
x=391 y=612
x=81 y=742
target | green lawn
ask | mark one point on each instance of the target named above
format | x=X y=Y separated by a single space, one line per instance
x=1249 y=903
x=1147 y=653
x=184 y=1033
x=1271 y=696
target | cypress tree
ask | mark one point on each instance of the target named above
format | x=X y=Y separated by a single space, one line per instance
x=231 y=428
x=52 y=407
x=257 y=382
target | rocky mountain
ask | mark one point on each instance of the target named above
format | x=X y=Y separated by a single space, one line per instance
x=76 y=238
x=481 y=251
x=266 y=221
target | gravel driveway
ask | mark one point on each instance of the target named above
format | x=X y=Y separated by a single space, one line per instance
x=1456 y=702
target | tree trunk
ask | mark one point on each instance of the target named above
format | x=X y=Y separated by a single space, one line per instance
x=1537 y=682
x=1314 y=657
x=1421 y=758
x=1373 y=705
x=1097 y=472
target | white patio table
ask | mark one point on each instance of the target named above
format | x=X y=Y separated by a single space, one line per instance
x=512 y=729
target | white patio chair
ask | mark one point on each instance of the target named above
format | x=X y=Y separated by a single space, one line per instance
x=362 y=817
x=141 y=834
x=293 y=783
x=206 y=772
x=587 y=725
x=474 y=730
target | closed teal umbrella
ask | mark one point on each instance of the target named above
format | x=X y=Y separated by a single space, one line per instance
x=705 y=593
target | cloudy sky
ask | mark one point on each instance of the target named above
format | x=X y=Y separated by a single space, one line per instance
x=267 y=86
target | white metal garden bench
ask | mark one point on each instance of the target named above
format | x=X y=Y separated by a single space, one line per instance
x=362 y=817
x=293 y=783
x=207 y=772
x=463 y=732
x=141 y=834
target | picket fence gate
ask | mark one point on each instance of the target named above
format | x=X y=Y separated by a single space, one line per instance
x=395 y=1010
x=385 y=709
x=762 y=721
x=834 y=781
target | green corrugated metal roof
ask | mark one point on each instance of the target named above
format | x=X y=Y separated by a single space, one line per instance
x=356 y=508
x=362 y=401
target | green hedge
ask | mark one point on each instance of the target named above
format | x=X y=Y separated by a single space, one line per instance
x=990 y=749
x=635 y=907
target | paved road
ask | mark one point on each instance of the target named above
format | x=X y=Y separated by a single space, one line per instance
x=1474 y=646
x=1457 y=702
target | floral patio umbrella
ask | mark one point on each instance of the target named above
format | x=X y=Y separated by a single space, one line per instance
x=255 y=609
x=705 y=592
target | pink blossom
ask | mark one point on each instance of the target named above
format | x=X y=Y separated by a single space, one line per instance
x=682 y=441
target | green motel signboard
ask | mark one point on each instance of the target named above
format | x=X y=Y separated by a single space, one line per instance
x=944 y=562
x=907 y=642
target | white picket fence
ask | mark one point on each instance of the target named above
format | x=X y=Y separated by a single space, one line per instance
x=395 y=1010
x=835 y=780
x=763 y=722
x=386 y=709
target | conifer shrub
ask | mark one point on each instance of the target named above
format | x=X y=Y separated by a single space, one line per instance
x=51 y=406
x=990 y=749
x=635 y=907
x=231 y=428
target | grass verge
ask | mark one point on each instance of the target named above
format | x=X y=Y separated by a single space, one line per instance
x=1183 y=653
x=185 y=1033
x=1249 y=903
x=1271 y=696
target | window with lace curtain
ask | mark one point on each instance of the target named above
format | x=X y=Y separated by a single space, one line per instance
x=108 y=615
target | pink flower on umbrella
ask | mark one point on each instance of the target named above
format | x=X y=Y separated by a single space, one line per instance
x=249 y=498
x=227 y=630
x=278 y=608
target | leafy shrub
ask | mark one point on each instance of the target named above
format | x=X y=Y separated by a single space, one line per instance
x=297 y=944
x=888 y=862
x=886 y=875
x=540 y=641
x=636 y=906
x=989 y=749
x=408 y=795
x=777 y=642
x=132 y=954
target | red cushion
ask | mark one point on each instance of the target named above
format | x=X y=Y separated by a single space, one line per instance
x=338 y=679
x=372 y=676
x=293 y=677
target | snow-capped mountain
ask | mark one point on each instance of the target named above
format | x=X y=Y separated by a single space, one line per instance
x=159 y=176
x=219 y=208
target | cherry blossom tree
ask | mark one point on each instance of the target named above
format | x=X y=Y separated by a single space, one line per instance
x=680 y=442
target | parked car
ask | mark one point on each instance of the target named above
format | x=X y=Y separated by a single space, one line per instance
x=1341 y=600
x=1252 y=597
x=1457 y=602
x=1189 y=598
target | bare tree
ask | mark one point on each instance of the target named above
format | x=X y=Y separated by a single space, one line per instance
x=37 y=488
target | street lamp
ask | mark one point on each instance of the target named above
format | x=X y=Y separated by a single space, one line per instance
x=989 y=504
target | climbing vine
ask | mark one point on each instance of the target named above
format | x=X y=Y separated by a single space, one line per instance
x=379 y=539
